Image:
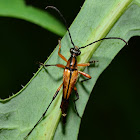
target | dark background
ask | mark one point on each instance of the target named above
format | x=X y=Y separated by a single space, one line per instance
x=112 y=112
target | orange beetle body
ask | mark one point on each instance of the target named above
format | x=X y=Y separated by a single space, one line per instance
x=70 y=76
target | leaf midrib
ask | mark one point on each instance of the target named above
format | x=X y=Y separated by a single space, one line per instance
x=104 y=27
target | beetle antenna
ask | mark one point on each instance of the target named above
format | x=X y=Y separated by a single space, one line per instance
x=104 y=39
x=52 y=7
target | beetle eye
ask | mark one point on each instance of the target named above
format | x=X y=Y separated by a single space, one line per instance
x=71 y=50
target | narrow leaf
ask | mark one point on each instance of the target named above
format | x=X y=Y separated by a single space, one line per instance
x=18 y=9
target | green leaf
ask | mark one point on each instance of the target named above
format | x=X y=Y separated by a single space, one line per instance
x=18 y=9
x=97 y=19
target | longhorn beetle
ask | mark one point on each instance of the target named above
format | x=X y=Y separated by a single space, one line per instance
x=70 y=74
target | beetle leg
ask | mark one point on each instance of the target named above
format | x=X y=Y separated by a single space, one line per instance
x=77 y=97
x=57 y=65
x=87 y=64
x=56 y=93
x=86 y=75
x=60 y=55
